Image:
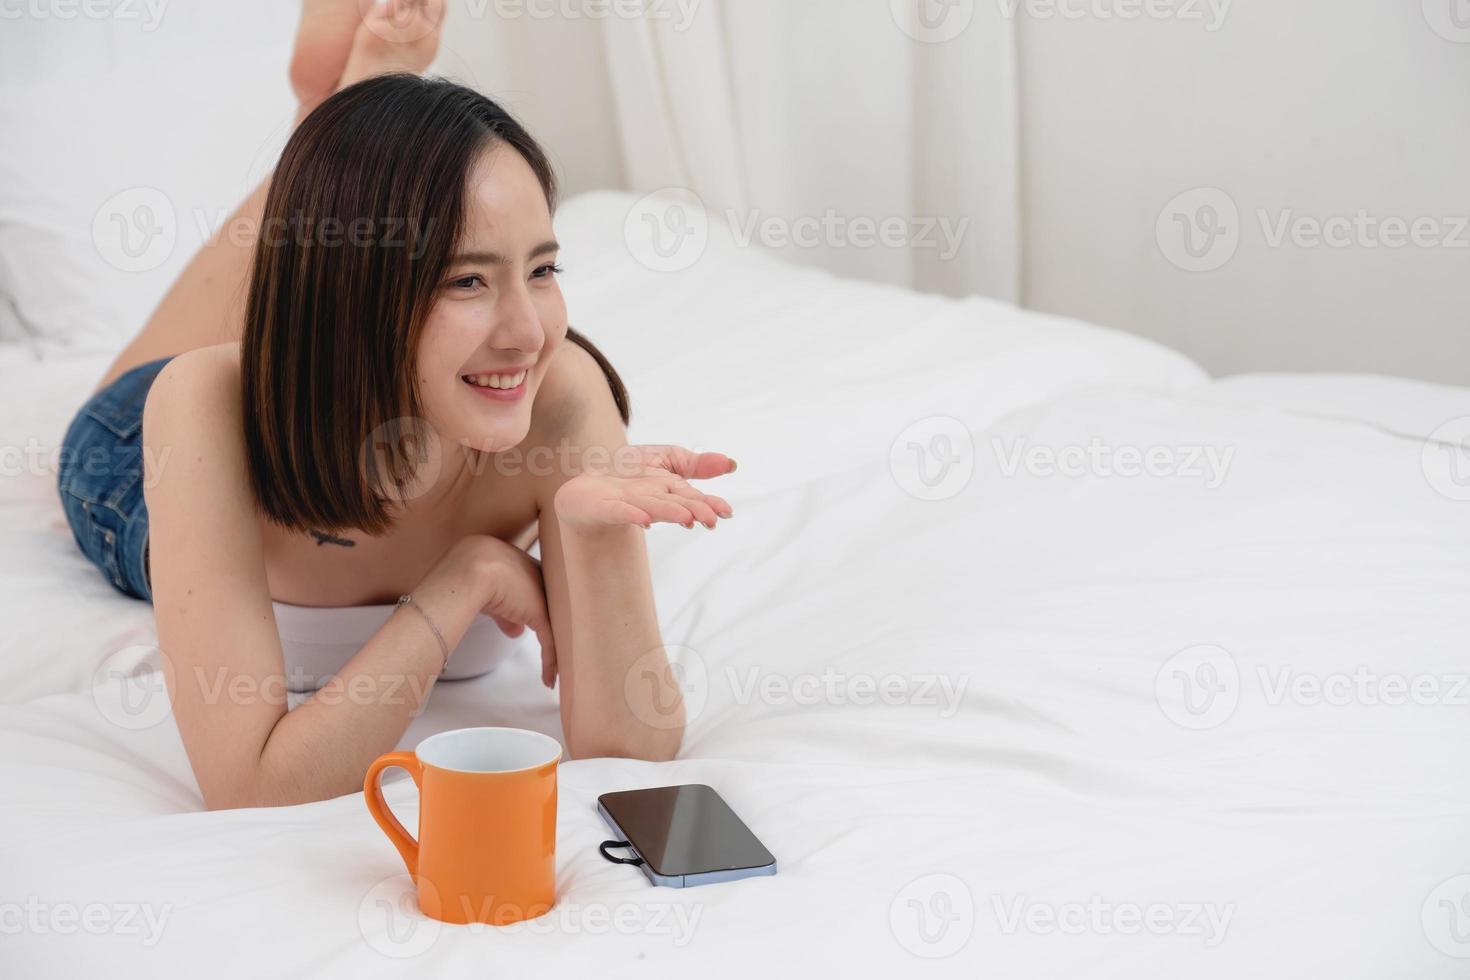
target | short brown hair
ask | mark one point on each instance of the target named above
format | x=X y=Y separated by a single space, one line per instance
x=331 y=332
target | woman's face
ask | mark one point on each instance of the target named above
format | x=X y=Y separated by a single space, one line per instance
x=498 y=316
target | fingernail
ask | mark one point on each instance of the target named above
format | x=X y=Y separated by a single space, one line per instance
x=733 y=464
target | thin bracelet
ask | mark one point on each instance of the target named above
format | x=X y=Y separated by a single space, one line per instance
x=408 y=600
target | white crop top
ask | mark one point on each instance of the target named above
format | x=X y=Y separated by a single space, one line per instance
x=317 y=641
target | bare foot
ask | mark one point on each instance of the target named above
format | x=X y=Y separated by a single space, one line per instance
x=399 y=35
x=323 y=42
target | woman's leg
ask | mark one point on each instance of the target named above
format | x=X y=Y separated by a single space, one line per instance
x=323 y=39
x=206 y=304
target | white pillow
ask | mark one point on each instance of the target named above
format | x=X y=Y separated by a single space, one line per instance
x=125 y=147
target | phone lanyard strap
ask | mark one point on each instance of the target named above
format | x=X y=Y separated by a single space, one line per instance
x=605 y=845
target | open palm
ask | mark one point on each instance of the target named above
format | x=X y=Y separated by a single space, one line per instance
x=645 y=484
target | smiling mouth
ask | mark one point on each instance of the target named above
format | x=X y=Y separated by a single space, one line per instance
x=503 y=382
x=500 y=387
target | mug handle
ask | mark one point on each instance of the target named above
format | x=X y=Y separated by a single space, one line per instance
x=372 y=790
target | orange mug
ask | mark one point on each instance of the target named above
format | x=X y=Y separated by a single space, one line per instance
x=486 y=848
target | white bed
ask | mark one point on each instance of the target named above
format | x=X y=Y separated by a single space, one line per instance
x=1031 y=797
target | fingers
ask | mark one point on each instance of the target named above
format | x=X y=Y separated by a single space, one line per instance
x=664 y=508
x=623 y=512
x=703 y=512
x=507 y=627
x=672 y=499
x=548 y=663
x=677 y=509
x=716 y=505
x=690 y=465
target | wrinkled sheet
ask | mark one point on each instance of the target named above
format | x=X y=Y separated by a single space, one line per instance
x=1001 y=702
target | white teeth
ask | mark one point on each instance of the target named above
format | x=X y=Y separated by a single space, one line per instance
x=496 y=380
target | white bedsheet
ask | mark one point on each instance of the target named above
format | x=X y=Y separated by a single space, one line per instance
x=1027 y=799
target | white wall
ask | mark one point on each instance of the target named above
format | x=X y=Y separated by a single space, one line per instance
x=551 y=73
x=1312 y=107
x=1295 y=109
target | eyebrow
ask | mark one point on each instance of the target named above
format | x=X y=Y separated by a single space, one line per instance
x=495 y=258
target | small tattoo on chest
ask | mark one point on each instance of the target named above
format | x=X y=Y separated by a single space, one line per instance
x=322 y=537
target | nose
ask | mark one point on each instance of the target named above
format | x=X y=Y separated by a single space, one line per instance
x=517 y=324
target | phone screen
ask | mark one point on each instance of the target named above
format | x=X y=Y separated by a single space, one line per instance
x=685 y=830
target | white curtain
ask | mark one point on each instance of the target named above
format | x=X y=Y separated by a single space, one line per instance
x=874 y=138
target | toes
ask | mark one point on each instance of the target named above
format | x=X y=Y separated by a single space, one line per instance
x=323 y=43
x=402 y=35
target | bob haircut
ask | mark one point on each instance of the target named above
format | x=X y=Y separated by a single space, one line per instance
x=360 y=223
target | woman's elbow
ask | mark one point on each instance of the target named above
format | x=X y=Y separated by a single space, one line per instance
x=650 y=745
x=246 y=792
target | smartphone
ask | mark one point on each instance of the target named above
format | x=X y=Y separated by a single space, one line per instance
x=685 y=835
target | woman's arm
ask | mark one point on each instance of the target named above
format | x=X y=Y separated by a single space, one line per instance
x=600 y=596
x=618 y=694
x=217 y=630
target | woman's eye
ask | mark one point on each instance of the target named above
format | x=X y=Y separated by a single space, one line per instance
x=547 y=271
x=465 y=282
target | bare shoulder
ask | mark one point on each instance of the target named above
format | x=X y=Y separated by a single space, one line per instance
x=575 y=398
x=575 y=410
x=193 y=412
x=204 y=382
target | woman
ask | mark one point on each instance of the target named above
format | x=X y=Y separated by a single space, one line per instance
x=379 y=398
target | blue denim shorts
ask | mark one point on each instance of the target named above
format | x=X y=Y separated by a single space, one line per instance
x=100 y=477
